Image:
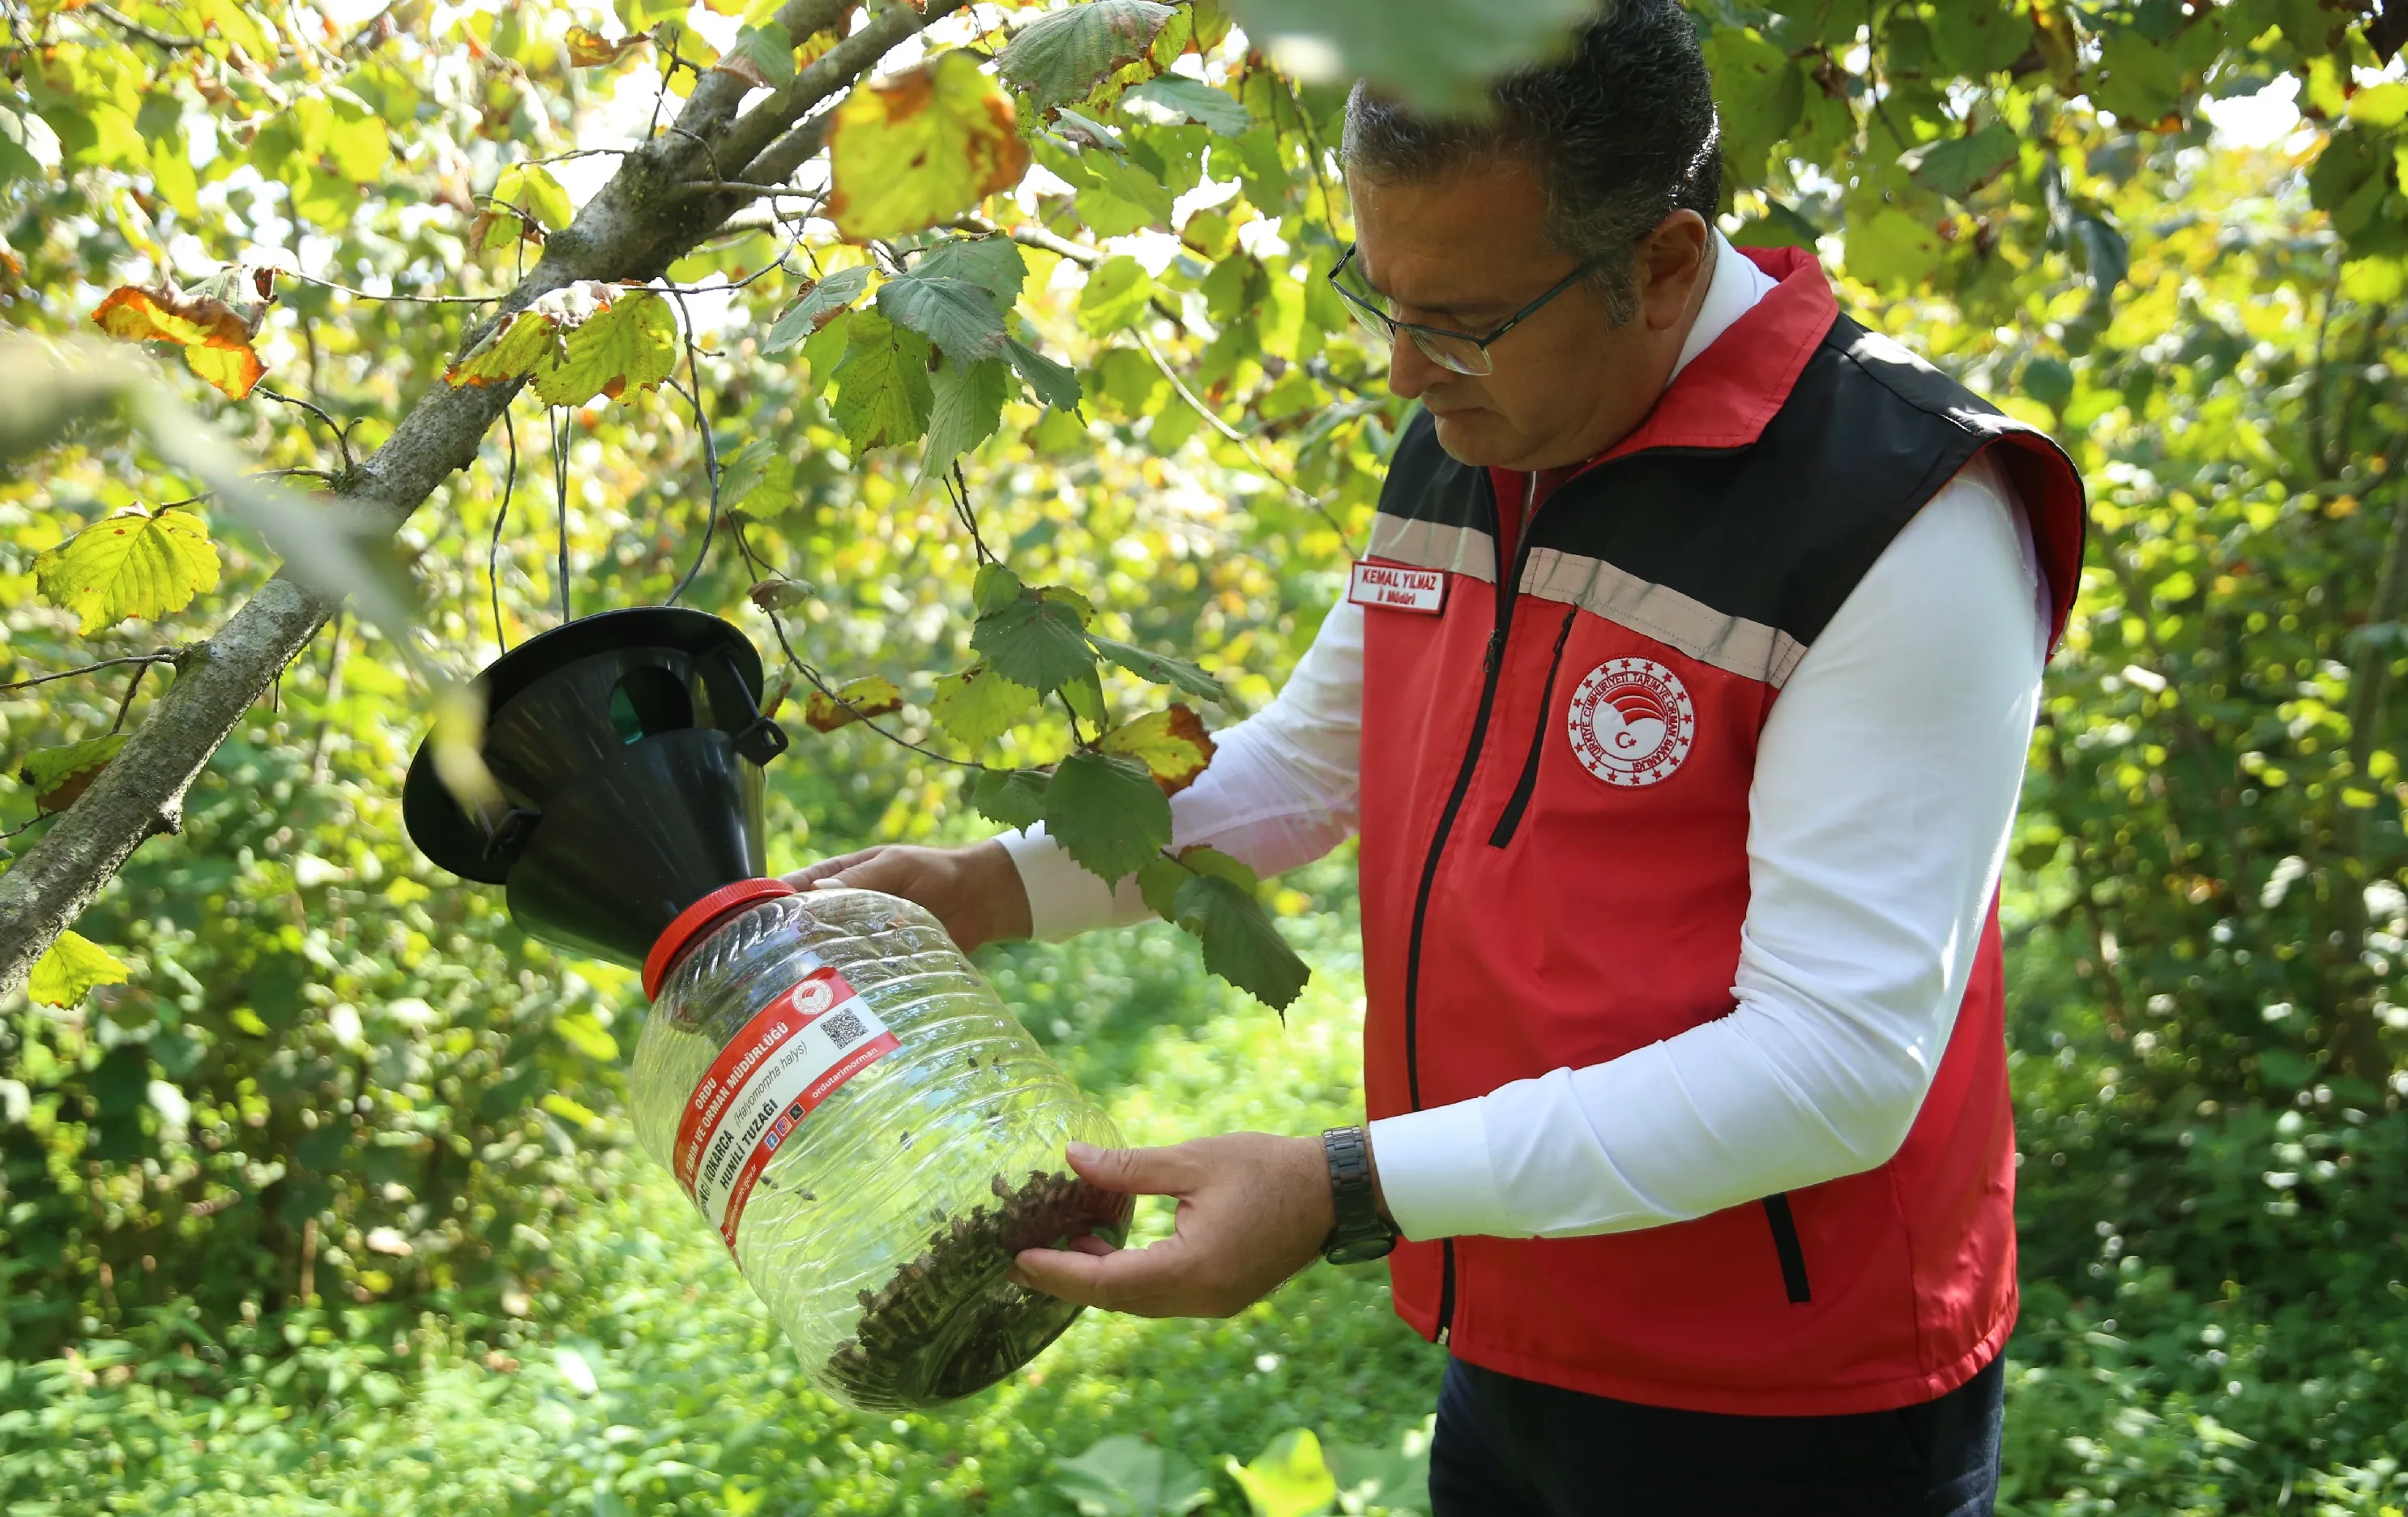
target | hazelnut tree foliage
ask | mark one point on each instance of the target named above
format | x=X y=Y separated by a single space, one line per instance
x=476 y=317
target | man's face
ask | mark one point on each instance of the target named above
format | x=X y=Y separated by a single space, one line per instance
x=1466 y=251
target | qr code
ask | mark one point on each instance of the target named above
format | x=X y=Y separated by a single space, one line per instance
x=844 y=1029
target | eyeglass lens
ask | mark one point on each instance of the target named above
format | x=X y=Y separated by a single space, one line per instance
x=1457 y=354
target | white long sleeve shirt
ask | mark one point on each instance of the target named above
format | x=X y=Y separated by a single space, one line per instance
x=1885 y=785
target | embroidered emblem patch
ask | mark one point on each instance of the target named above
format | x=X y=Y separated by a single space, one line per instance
x=1632 y=721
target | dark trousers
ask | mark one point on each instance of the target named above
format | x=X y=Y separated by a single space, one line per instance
x=1507 y=1447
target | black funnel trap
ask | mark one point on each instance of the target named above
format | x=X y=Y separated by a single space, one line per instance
x=628 y=748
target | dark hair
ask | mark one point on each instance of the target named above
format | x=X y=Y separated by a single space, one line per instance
x=1621 y=133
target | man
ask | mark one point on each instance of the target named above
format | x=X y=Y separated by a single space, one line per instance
x=1682 y=733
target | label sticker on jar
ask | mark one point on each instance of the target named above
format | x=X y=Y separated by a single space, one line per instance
x=786 y=1061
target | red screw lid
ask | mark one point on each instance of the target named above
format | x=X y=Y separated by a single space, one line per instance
x=691 y=921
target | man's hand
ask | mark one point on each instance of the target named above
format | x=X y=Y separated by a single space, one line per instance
x=975 y=891
x=1253 y=1209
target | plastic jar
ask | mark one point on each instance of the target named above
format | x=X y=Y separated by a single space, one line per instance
x=874 y=1136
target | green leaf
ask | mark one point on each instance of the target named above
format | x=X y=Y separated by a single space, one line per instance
x=1127 y=1477
x=1056 y=384
x=1780 y=226
x=70 y=968
x=968 y=409
x=1893 y=248
x=1240 y=944
x=993 y=588
x=1011 y=797
x=882 y=395
x=1397 y=1479
x=1116 y=293
x=1162 y=669
x=132 y=562
x=1759 y=93
x=643 y=15
x=2140 y=81
x=920 y=147
x=822 y=304
x=1159 y=881
x=1034 y=641
x=958 y=317
x=994 y=264
x=1064 y=54
x=978 y=705
x=531 y=187
x=1124 y=180
x=1107 y=812
x=1436 y=53
x=762 y=56
x=2106 y=259
x=2048 y=380
x=1975 y=37
x=1175 y=97
x=58 y=775
x=582 y=1032
x=757 y=475
x=1954 y=166
x=1290 y=1479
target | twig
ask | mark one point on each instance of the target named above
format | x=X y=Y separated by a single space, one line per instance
x=327 y=475
x=493 y=548
x=957 y=489
x=47 y=816
x=422 y=300
x=710 y=447
x=342 y=434
x=1245 y=445
x=164 y=655
x=156 y=39
x=127 y=703
x=789 y=191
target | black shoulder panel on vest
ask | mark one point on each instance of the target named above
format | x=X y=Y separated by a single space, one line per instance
x=1780 y=531
x=1425 y=483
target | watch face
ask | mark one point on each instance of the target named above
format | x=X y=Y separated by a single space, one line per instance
x=1360 y=1249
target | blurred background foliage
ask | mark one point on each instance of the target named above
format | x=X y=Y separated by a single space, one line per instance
x=328 y=1203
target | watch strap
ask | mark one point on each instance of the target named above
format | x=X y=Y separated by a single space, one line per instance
x=1361 y=1232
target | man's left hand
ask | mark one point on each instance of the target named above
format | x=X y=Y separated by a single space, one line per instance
x=1253 y=1209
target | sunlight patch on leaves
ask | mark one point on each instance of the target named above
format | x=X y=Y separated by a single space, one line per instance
x=977 y=706
x=71 y=967
x=131 y=563
x=1290 y=1479
x=909 y=151
x=587 y=339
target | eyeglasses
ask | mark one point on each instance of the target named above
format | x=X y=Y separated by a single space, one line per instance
x=1463 y=352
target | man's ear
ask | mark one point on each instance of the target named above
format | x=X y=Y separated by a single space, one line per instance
x=1672 y=267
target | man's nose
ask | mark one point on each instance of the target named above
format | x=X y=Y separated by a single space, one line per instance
x=1410 y=369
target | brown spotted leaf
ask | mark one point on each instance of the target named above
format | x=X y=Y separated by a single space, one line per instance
x=58 y=775
x=214 y=334
x=1171 y=743
x=590 y=49
x=920 y=147
x=869 y=697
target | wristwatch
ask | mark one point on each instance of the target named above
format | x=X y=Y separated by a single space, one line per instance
x=1362 y=1234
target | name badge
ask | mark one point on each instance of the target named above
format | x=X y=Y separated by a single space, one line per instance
x=1398 y=589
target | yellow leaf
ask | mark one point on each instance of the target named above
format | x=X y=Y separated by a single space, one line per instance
x=134 y=563
x=585 y=1035
x=923 y=146
x=590 y=49
x=72 y=966
x=570 y=1111
x=214 y=336
x=1171 y=743
x=585 y=340
x=864 y=698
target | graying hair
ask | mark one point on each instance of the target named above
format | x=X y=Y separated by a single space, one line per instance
x=1622 y=134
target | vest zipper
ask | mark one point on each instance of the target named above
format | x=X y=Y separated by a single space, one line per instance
x=1507 y=591
x=1512 y=817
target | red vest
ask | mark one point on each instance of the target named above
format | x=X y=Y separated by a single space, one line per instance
x=1555 y=860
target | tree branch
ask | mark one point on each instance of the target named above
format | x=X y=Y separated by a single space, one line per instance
x=633 y=229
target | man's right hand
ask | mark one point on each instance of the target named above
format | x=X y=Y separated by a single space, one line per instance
x=974 y=891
